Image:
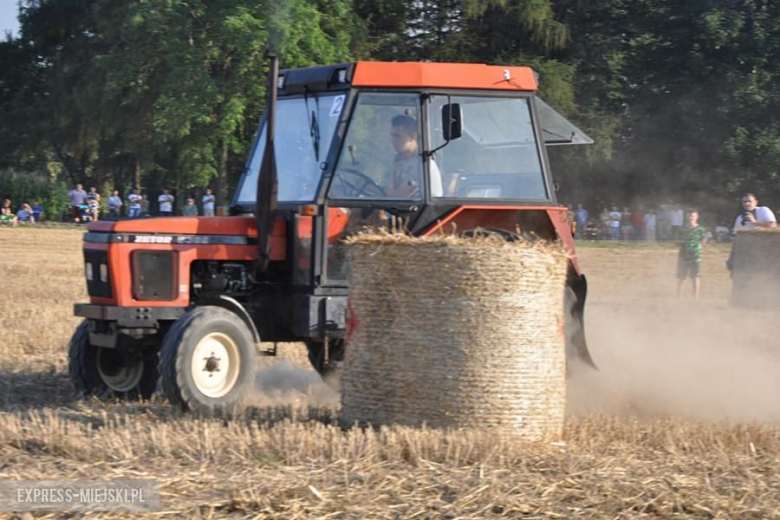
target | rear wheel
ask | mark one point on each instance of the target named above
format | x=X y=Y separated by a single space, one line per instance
x=207 y=362
x=105 y=372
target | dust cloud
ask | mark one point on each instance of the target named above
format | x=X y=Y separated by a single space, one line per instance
x=661 y=356
x=291 y=382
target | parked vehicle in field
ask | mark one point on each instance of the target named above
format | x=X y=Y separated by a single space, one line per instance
x=187 y=300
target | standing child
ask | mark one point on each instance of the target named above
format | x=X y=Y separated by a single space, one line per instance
x=134 y=204
x=689 y=258
x=93 y=199
x=208 y=201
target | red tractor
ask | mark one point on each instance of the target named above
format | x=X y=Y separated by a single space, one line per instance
x=422 y=147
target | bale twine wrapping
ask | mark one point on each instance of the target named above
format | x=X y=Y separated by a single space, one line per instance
x=756 y=270
x=454 y=332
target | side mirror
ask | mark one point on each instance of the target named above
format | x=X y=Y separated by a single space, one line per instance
x=451 y=121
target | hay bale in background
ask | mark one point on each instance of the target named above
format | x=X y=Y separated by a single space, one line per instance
x=756 y=271
x=456 y=333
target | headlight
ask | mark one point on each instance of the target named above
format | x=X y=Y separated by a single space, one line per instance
x=97 y=273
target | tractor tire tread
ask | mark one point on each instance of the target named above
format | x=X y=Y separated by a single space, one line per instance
x=77 y=360
x=168 y=367
x=172 y=368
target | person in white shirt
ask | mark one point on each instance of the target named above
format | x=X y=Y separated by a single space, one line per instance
x=208 y=201
x=752 y=216
x=650 y=224
x=166 y=203
x=115 y=204
x=676 y=217
x=134 y=204
x=614 y=223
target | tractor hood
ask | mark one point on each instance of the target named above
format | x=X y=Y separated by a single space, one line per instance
x=166 y=232
x=231 y=226
x=227 y=231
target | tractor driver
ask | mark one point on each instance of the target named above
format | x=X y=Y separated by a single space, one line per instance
x=404 y=179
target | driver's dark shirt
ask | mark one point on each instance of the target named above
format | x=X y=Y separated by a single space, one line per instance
x=405 y=175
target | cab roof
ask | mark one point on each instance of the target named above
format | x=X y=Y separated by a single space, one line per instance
x=443 y=75
x=377 y=74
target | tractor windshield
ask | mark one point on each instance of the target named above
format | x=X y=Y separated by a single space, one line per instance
x=498 y=155
x=304 y=131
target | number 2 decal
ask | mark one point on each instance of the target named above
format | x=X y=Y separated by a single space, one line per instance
x=338 y=104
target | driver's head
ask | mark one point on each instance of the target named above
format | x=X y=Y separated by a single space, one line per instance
x=403 y=133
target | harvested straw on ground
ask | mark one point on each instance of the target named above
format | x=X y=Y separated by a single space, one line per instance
x=756 y=271
x=456 y=332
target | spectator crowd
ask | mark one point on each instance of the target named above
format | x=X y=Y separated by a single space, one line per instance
x=670 y=222
x=86 y=206
x=662 y=223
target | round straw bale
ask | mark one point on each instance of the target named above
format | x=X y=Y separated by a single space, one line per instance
x=454 y=332
x=756 y=271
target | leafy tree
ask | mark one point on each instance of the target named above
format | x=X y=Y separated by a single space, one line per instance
x=159 y=92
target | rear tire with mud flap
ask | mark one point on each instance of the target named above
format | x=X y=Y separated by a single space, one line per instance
x=207 y=362
x=101 y=372
x=577 y=352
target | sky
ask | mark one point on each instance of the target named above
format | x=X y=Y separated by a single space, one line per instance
x=8 y=22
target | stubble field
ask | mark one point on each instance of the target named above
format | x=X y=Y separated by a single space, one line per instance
x=681 y=420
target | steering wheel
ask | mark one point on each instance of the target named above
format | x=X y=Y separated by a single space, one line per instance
x=361 y=185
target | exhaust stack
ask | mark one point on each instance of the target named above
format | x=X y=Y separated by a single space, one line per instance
x=267 y=183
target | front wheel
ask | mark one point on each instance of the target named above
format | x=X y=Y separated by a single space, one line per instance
x=105 y=372
x=207 y=363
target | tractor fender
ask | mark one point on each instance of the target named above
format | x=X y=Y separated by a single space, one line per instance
x=576 y=338
x=231 y=304
x=579 y=285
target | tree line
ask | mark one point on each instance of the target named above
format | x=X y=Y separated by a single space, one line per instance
x=682 y=98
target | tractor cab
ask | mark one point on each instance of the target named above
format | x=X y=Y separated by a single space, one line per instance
x=418 y=147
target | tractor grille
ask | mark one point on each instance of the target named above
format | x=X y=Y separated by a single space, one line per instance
x=154 y=275
x=97 y=273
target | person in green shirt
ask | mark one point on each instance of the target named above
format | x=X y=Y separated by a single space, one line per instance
x=689 y=258
x=190 y=209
